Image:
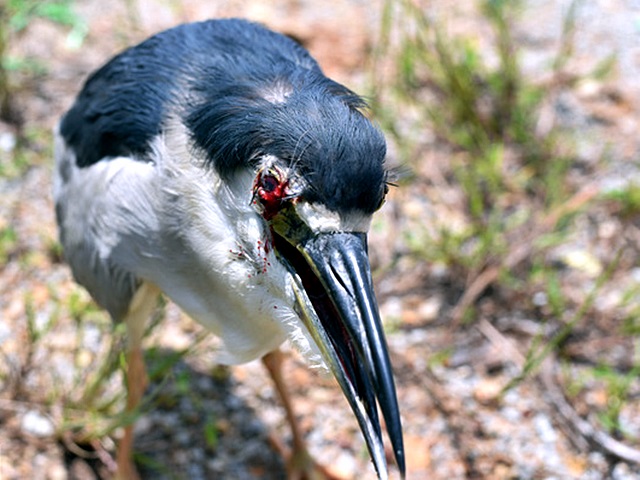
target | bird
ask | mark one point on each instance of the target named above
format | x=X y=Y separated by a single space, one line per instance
x=216 y=164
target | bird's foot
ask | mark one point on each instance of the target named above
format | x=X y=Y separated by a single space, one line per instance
x=300 y=464
x=127 y=471
x=125 y=467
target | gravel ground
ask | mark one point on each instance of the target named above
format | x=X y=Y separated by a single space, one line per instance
x=209 y=422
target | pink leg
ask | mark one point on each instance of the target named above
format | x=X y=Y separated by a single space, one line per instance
x=136 y=385
x=142 y=305
x=300 y=464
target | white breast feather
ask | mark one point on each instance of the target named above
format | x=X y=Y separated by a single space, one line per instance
x=178 y=226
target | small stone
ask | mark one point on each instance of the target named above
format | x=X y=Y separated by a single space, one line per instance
x=143 y=425
x=84 y=358
x=7 y=141
x=545 y=429
x=502 y=470
x=607 y=229
x=344 y=466
x=589 y=89
x=5 y=331
x=36 y=424
x=392 y=308
x=622 y=471
x=584 y=261
x=429 y=309
x=488 y=391
x=539 y=299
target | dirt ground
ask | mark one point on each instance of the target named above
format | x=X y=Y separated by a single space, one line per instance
x=207 y=422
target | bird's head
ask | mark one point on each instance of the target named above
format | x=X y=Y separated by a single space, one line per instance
x=317 y=164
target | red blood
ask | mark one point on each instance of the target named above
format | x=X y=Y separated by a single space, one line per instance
x=270 y=190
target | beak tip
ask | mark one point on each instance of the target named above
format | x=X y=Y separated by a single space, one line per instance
x=401 y=465
x=398 y=445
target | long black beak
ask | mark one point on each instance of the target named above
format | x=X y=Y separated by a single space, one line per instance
x=338 y=305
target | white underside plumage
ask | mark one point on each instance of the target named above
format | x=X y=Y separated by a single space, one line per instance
x=199 y=240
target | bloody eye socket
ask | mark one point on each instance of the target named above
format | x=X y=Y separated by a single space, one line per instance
x=269 y=193
x=269 y=183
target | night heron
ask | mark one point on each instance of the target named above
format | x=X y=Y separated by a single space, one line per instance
x=216 y=163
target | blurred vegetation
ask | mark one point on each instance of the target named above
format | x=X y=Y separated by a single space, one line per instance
x=15 y=17
x=511 y=172
x=24 y=144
